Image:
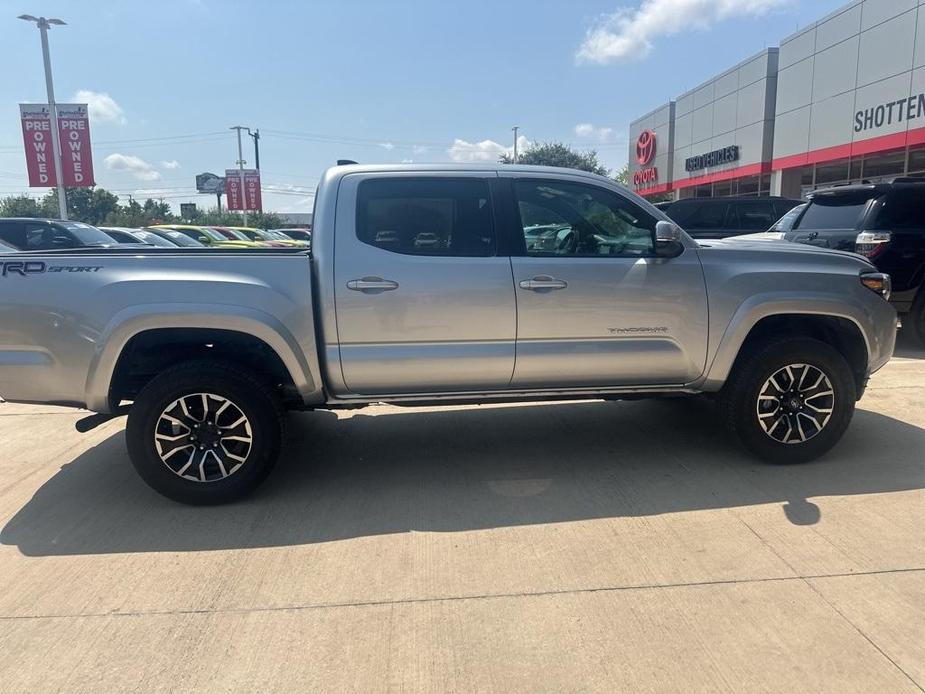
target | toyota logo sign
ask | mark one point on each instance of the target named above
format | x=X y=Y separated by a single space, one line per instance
x=645 y=147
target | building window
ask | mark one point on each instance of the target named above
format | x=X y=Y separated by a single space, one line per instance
x=854 y=173
x=917 y=162
x=878 y=165
x=834 y=172
x=748 y=185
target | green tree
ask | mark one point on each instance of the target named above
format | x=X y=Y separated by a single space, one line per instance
x=89 y=205
x=20 y=206
x=559 y=154
x=623 y=175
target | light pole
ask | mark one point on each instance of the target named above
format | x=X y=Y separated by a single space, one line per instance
x=515 y=129
x=239 y=128
x=43 y=25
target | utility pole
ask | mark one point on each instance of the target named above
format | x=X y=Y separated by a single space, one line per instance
x=43 y=25
x=515 y=129
x=256 y=136
x=239 y=128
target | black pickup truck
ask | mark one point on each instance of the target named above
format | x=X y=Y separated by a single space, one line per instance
x=884 y=222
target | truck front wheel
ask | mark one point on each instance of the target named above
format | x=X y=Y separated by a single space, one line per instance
x=204 y=432
x=791 y=400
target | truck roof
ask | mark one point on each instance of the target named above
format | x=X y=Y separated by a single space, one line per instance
x=338 y=171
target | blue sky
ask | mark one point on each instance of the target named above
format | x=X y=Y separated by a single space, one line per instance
x=375 y=81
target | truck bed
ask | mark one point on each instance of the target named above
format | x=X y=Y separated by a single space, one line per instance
x=66 y=315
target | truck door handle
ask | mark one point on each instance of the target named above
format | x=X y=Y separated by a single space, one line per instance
x=543 y=282
x=372 y=285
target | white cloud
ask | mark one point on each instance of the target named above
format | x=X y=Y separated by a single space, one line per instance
x=172 y=164
x=387 y=146
x=102 y=107
x=592 y=132
x=419 y=149
x=487 y=151
x=628 y=33
x=136 y=166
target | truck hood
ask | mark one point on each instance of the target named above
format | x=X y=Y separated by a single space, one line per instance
x=775 y=246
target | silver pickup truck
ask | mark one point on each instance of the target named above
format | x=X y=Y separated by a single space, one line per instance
x=437 y=284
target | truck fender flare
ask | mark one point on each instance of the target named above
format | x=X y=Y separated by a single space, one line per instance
x=756 y=308
x=138 y=319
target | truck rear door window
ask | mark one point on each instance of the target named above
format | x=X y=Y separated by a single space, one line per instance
x=433 y=216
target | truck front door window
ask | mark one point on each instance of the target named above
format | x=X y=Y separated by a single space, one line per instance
x=577 y=220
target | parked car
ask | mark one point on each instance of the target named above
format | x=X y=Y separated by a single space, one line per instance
x=211 y=349
x=176 y=237
x=236 y=236
x=884 y=222
x=777 y=230
x=719 y=218
x=204 y=235
x=27 y=234
x=126 y=236
x=297 y=234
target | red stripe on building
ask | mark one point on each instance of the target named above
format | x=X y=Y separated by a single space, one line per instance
x=874 y=145
x=738 y=172
x=654 y=190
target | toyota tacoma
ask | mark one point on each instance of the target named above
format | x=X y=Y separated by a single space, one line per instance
x=424 y=285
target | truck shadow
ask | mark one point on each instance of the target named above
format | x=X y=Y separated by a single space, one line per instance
x=472 y=468
x=907 y=346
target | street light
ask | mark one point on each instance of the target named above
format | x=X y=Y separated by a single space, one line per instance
x=43 y=24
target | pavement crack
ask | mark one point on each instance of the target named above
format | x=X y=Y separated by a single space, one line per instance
x=807 y=581
x=458 y=598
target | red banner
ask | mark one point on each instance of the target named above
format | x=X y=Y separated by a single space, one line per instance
x=233 y=193
x=36 y=135
x=249 y=197
x=74 y=135
x=252 y=196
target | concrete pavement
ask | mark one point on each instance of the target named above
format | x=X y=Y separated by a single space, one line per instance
x=555 y=547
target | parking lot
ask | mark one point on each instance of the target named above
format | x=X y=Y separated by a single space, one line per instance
x=592 y=546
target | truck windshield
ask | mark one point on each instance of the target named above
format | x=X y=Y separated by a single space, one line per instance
x=833 y=212
x=86 y=234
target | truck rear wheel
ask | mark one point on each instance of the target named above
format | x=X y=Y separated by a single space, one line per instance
x=790 y=401
x=204 y=432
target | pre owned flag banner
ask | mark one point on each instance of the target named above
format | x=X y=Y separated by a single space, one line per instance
x=36 y=135
x=249 y=197
x=74 y=135
x=76 y=158
x=233 y=193
x=252 y=195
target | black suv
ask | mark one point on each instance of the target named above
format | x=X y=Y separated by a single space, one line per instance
x=28 y=234
x=718 y=218
x=883 y=221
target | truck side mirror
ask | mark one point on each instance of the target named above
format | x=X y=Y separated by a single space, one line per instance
x=668 y=240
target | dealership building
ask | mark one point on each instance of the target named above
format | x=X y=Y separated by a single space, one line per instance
x=840 y=101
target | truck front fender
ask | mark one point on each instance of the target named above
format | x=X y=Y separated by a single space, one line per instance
x=760 y=306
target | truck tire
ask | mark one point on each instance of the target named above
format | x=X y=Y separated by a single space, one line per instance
x=789 y=401
x=204 y=432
